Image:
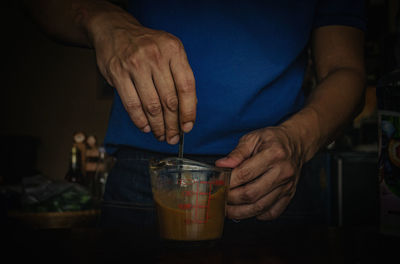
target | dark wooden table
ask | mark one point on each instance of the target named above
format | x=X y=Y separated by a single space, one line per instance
x=271 y=244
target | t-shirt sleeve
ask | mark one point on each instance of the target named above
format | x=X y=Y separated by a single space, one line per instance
x=341 y=12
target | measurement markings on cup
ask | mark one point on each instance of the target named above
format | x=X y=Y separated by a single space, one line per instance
x=196 y=206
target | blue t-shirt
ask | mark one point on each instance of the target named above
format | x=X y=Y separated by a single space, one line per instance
x=248 y=60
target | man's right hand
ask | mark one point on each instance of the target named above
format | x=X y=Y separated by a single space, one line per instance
x=150 y=71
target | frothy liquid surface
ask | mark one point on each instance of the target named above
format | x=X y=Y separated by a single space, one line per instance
x=190 y=215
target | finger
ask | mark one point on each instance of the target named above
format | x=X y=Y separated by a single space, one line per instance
x=131 y=101
x=277 y=209
x=257 y=208
x=254 y=190
x=150 y=102
x=253 y=167
x=243 y=151
x=165 y=86
x=185 y=86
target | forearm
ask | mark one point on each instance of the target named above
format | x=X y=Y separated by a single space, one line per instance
x=333 y=104
x=70 y=21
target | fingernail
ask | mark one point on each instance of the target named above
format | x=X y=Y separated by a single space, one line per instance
x=187 y=127
x=146 y=129
x=162 y=138
x=174 y=140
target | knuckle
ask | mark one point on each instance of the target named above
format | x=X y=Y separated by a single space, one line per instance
x=140 y=122
x=248 y=138
x=258 y=208
x=272 y=214
x=153 y=109
x=134 y=61
x=238 y=153
x=286 y=175
x=153 y=53
x=114 y=66
x=279 y=152
x=173 y=42
x=147 y=50
x=171 y=103
x=292 y=188
x=290 y=171
x=187 y=86
x=289 y=187
x=244 y=175
x=133 y=106
x=248 y=196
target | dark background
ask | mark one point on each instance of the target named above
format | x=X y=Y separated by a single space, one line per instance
x=49 y=91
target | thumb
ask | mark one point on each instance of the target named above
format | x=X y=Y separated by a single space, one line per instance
x=242 y=152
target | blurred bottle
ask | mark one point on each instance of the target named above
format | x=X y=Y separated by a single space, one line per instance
x=79 y=139
x=92 y=158
x=101 y=174
x=74 y=173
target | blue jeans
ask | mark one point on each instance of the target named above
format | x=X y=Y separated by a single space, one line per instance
x=128 y=200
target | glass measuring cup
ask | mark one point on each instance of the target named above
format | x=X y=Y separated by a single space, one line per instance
x=190 y=198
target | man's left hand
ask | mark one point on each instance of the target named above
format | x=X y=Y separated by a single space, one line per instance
x=267 y=164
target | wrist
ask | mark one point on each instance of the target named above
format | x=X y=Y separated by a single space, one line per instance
x=95 y=18
x=304 y=130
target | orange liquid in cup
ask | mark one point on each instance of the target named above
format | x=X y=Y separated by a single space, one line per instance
x=202 y=219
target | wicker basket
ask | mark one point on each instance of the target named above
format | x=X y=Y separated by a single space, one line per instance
x=87 y=218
